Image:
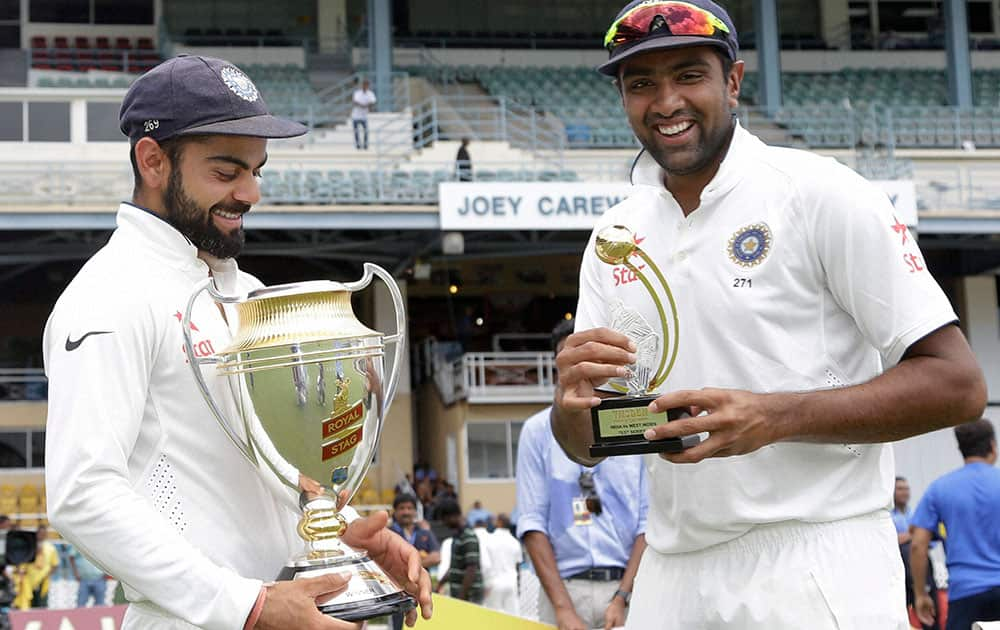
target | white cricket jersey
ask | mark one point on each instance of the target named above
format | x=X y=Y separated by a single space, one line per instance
x=794 y=274
x=139 y=475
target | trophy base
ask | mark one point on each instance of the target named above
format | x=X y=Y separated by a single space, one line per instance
x=641 y=446
x=388 y=605
x=618 y=425
x=370 y=593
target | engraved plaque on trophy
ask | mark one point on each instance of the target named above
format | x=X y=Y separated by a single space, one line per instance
x=619 y=423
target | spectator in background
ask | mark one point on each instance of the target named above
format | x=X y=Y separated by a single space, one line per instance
x=364 y=101
x=967 y=502
x=479 y=515
x=583 y=528
x=463 y=162
x=404 y=516
x=38 y=574
x=901 y=515
x=487 y=557
x=507 y=556
x=93 y=582
x=425 y=494
x=464 y=577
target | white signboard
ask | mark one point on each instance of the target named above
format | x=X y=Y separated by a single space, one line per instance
x=526 y=206
x=467 y=206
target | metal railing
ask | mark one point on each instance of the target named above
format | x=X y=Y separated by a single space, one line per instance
x=508 y=376
x=485 y=118
x=338 y=96
x=488 y=377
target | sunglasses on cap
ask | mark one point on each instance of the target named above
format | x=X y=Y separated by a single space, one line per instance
x=675 y=18
x=589 y=490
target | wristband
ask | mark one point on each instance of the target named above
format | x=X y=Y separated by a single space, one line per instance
x=258 y=607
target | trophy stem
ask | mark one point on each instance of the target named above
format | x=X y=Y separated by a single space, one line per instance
x=321 y=526
x=661 y=373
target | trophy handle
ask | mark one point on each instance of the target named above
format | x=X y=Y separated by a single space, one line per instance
x=399 y=338
x=196 y=363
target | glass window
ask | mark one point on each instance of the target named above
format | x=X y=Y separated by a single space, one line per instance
x=10 y=36
x=48 y=122
x=515 y=439
x=488 y=449
x=102 y=123
x=11 y=122
x=909 y=17
x=10 y=10
x=123 y=11
x=980 y=16
x=492 y=449
x=13 y=449
x=76 y=11
x=37 y=449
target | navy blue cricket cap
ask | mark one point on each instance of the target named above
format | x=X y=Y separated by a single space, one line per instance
x=647 y=25
x=188 y=95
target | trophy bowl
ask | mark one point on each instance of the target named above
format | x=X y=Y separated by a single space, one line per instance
x=308 y=384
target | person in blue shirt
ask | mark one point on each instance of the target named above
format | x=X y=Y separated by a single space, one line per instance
x=901 y=512
x=478 y=514
x=901 y=515
x=967 y=502
x=583 y=528
x=404 y=523
x=93 y=581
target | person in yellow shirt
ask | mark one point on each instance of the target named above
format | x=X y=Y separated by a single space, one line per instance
x=35 y=576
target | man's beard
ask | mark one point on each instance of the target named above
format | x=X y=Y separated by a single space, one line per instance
x=710 y=149
x=196 y=223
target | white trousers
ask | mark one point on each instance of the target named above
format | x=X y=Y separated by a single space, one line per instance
x=843 y=575
x=590 y=599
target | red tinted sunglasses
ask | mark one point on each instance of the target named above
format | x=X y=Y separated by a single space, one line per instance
x=677 y=18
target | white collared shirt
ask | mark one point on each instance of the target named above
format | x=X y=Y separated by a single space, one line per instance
x=792 y=275
x=139 y=475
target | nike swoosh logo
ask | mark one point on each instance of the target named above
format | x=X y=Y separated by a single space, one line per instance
x=73 y=345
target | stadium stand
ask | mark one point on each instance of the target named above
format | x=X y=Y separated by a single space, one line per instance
x=122 y=56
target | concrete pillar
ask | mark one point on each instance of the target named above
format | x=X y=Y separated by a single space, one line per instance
x=835 y=25
x=768 y=54
x=331 y=25
x=78 y=121
x=380 y=52
x=959 y=64
x=981 y=323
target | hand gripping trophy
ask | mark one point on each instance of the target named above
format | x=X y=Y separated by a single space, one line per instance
x=304 y=395
x=618 y=423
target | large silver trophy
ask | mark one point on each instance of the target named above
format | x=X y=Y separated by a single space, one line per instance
x=307 y=398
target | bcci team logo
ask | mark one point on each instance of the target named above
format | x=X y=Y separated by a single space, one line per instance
x=240 y=84
x=750 y=245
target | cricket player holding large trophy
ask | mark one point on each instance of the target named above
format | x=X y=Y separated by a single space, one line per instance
x=307 y=383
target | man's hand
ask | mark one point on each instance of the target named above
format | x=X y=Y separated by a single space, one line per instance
x=396 y=556
x=567 y=619
x=923 y=605
x=587 y=360
x=738 y=422
x=614 y=615
x=292 y=604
